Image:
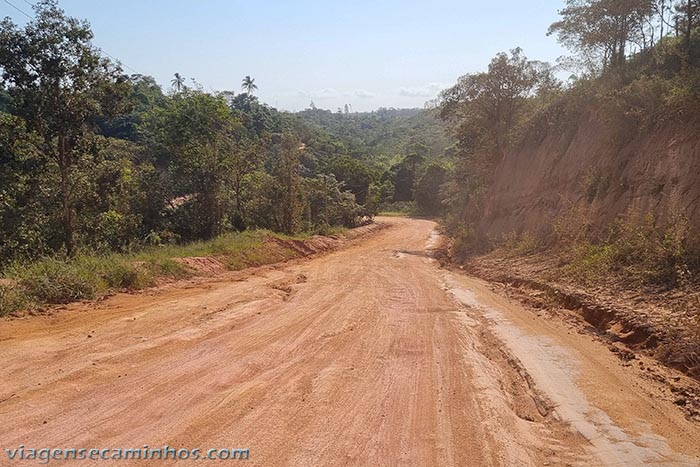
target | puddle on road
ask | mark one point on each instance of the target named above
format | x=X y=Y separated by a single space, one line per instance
x=433 y=240
x=554 y=371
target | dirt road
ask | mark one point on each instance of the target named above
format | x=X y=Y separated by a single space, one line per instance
x=368 y=356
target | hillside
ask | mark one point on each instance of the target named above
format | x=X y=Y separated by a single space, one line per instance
x=591 y=170
x=583 y=196
x=386 y=134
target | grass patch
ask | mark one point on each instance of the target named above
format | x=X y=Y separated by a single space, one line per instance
x=639 y=251
x=50 y=281
x=57 y=281
x=516 y=245
x=227 y=244
x=12 y=299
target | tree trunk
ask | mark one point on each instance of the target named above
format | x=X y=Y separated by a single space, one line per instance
x=689 y=27
x=238 y=221
x=64 y=168
x=663 y=19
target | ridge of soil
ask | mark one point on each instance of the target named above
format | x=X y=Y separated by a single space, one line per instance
x=632 y=322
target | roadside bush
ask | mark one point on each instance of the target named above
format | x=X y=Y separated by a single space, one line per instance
x=116 y=272
x=55 y=281
x=11 y=299
x=589 y=262
x=329 y=205
x=638 y=250
x=523 y=244
x=573 y=225
x=464 y=243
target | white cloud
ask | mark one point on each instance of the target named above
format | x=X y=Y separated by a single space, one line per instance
x=332 y=93
x=364 y=94
x=426 y=90
x=326 y=93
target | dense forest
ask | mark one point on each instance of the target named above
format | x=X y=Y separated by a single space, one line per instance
x=97 y=160
x=406 y=151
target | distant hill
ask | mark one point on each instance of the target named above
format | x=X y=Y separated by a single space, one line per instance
x=385 y=134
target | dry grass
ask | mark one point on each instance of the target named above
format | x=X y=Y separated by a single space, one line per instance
x=60 y=280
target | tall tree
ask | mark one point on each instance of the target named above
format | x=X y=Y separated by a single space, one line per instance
x=688 y=19
x=245 y=160
x=600 y=31
x=248 y=85
x=286 y=167
x=199 y=139
x=428 y=194
x=59 y=84
x=487 y=106
x=178 y=82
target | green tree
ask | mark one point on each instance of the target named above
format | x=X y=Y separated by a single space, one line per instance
x=355 y=175
x=258 y=118
x=487 y=107
x=199 y=140
x=113 y=197
x=688 y=18
x=428 y=192
x=328 y=204
x=287 y=150
x=404 y=175
x=60 y=84
x=178 y=82
x=249 y=86
x=246 y=160
x=144 y=95
x=599 y=31
x=25 y=214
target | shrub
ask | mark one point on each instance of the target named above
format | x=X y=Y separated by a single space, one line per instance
x=589 y=262
x=11 y=299
x=464 y=244
x=117 y=272
x=523 y=244
x=56 y=281
x=640 y=250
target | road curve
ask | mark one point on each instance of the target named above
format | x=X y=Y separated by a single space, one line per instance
x=368 y=356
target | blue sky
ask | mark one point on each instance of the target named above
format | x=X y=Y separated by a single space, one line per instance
x=369 y=54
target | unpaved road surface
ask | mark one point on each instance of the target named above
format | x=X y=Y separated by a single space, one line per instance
x=367 y=356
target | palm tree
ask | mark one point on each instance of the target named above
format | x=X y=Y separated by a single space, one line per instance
x=249 y=85
x=178 y=82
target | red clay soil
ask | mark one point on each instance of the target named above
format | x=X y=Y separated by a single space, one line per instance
x=371 y=355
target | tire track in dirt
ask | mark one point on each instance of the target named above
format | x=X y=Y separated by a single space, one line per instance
x=358 y=357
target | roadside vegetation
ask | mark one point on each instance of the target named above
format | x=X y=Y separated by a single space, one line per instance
x=107 y=178
x=103 y=167
x=636 y=250
x=61 y=280
x=636 y=64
